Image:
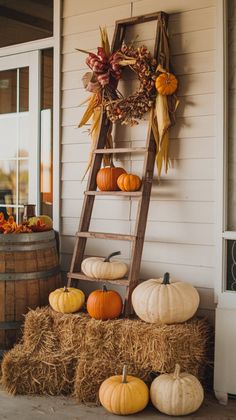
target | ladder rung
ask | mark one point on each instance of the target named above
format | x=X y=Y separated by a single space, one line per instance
x=121 y=150
x=81 y=276
x=116 y=193
x=104 y=235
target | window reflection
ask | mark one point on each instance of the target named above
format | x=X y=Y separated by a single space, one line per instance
x=8 y=182
x=8 y=81
x=24 y=89
x=46 y=132
x=23 y=181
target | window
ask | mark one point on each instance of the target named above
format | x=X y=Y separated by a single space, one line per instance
x=46 y=155
x=14 y=140
x=29 y=47
x=230 y=283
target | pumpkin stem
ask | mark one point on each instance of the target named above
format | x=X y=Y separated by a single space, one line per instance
x=176 y=371
x=104 y=288
x=65 y=289
x=112 y=255
x=166 y=278
x=124 y=375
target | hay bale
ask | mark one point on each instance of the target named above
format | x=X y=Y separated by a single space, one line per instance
x=90 y=374
x=145 y=348
x=47 y=331
x=73 y=353
x=24 y=373
x=38 y=334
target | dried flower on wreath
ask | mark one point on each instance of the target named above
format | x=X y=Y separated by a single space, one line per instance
x=155 y=83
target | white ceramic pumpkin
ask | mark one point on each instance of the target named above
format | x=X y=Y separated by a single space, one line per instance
x=124 y=394
x=103 y=268
x=165 y=302
x=176 y=394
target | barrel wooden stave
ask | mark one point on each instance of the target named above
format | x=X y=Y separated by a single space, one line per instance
x=29 y=271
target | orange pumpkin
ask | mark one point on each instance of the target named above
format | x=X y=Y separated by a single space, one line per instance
x=104 y=304
x=107 y=177
x=129 y=182
x=166 y=84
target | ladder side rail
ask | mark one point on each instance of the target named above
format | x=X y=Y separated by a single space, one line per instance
x=141 y=218
x=148 y=171
x=85 y=217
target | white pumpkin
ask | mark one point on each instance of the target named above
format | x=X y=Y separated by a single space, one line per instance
x=158 y=300
x=103 y=268
x=176 y=394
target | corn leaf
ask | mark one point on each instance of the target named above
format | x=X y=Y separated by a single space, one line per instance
x=83 y=51
x=94 y=131
x=89 y=110
x=163 y=123
x=105 y=41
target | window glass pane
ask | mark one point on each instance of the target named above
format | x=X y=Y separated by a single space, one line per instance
x=46 y=132
x=8 y=137
x=23 y=181
x=231 y=265
x=25 y=20
x=25 y=145
x=24 y=89
x=20 y=214
x=8 y=91
x=46 y=162
x=232 y=115
x=47 y=79
x=8 y=182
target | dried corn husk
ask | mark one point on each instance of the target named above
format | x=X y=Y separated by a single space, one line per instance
x=105 y=41
x=163 y=123
x=94 y=130
x=92 y=104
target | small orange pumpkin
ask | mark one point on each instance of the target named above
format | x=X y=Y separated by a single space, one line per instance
x=166 y=84
x=104 y=304
x=129 y=182
x=107 y=177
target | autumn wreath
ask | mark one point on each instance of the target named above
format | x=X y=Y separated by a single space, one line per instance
x=155 y=83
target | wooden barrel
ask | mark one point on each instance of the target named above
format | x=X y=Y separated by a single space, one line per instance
x=29 y=271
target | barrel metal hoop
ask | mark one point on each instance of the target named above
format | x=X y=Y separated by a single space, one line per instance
x=11 y=325
x=22 y=247
x=29 y=276
x=27 y=237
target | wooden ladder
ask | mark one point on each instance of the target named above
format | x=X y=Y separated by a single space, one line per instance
x=143 y=196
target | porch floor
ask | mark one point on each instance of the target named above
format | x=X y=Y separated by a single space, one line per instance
x=62 y=408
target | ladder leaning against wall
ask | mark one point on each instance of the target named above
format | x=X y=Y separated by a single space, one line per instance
x=143 y=196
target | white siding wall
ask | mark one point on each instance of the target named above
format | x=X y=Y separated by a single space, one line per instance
x=180 y=236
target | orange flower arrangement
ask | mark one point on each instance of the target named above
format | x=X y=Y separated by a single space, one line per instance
x=10 y=226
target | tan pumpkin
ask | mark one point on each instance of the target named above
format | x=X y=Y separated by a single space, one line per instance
x=107 y=177
x=103 y=268
x=104 y=304
x=66 y=300
x=165 y=302
x=122 y=394
x=166 y=84
x=176 y=394
x=129 y=182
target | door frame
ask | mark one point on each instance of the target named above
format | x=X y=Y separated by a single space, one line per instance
x=55 y=43
x=30 y=60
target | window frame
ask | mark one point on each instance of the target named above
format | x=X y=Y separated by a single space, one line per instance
x=45 y=43
x=224 y=298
